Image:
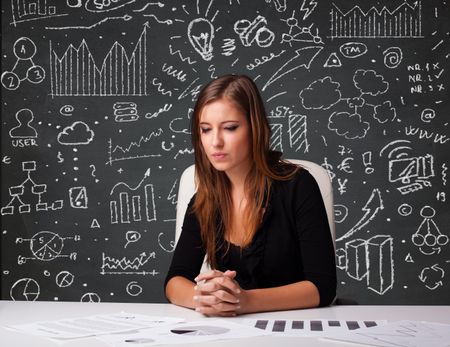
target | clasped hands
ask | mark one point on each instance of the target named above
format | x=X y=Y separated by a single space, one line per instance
x=218 y=294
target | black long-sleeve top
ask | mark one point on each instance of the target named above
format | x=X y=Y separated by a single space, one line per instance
x=292 y=244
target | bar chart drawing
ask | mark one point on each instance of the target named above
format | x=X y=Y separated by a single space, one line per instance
x=403 y=22
x=29 y=10
x=298 y=133
x=76 y=73
x=132 y=204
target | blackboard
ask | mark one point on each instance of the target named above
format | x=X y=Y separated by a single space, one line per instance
x=96 y=102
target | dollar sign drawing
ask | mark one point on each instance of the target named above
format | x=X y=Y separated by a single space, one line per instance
x=60 y=158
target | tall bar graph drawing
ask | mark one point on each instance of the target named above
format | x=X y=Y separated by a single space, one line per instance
x=76 y=73
x=28 y=10
x=132 y=204
x=403 y=22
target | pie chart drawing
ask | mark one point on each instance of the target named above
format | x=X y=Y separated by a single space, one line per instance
x=200 y=330
x=25 y=289
x=46 y=245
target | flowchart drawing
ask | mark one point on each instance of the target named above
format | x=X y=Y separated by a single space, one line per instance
x=19 y=194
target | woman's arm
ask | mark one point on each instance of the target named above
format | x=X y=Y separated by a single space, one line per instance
x=180 y=291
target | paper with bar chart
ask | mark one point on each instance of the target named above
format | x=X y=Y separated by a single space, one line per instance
x=310 y=327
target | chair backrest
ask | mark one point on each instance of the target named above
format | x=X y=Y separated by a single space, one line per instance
x=187 y=189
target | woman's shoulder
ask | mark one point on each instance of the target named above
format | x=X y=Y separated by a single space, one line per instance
x=300 y=178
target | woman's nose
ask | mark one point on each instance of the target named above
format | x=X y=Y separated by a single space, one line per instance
x=217 y=140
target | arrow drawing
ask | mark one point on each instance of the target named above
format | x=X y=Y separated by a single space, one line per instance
x=371 y=208
x=303 y=58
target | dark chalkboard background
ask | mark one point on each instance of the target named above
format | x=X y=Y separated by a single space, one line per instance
x=96 y=100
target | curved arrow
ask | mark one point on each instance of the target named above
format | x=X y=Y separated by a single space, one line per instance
x=371 y=208
x=303 y=58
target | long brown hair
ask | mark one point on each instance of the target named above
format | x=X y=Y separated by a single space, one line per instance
x=213 y=201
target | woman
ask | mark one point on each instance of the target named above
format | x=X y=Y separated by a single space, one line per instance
x=260 y=221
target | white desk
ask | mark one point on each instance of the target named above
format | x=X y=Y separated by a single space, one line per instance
x=27 y=312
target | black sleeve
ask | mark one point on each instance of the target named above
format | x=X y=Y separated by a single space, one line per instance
x=314 y=237
x=189 y=252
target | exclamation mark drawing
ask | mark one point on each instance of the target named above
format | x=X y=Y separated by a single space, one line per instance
x=367 y=160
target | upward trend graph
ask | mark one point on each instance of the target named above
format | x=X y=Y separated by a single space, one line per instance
x=76 y=73
x=403 y=22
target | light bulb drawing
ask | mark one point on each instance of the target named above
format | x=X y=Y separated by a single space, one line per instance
x=201 y=35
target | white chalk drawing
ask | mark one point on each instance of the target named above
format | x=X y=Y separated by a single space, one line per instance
x=95 y=224
x=333 y=61
x=299 y=33
x=340 y=213
x=405 y=210
x=78 y=133
x=254 y=31
x=185 y=151
x=173 y=194
x=353 y=49
x=24 y=49
x=393 y=57
x=428 y=237
x=78 y=197
x=46 y=246
x=280 y=5
x=444 y=174
x=367 y=161
x=172 y=244
x=405 y=21
x=432 y=277
x=424 y=134
x=31 y=10
x=427 y=115
x=132 y=236
x=371 y=208
x=127 y=266
x=125 y=17
x=127 y=75
x=183 y=59
x=64 y=279
x=125 y=111
x=200 y=35
x=66 y=110
x=133 y=204
x=228 y=47
x=105 y=5
x=90 y=297
x=19 y=194
x=25 y=289
x=170 y=70
x=370 y=259
x=133 y=150
x=159 y=21
x=308 y=7
x=324 y=93
x=342 y=185
x=303 y=57
x=276 y=137
x=329 y=167
x=345 y=165
x=24 y=134
x=165 y=108
x=92 y=166
x=297 y=131
x=134 y=289
x=264 y=59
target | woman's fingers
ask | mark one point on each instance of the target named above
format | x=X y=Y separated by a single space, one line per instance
x=208 y=275
x=219 y=283
x=216 y=298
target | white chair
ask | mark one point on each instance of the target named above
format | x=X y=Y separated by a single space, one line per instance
x=187 y=189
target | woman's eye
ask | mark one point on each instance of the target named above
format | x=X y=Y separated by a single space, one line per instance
x=204 y=130
x=232 y=127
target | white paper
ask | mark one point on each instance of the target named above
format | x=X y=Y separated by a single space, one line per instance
x=189 y=332
x=402 y=334
x=311 y=327
x=93 y=325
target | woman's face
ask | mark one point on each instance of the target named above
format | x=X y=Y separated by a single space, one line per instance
x=225 y=137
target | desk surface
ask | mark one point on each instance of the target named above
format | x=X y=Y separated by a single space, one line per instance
x=26 y=312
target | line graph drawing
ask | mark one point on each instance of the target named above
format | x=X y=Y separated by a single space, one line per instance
x=142 y=204
x=126 y=266
x=31 y=10
x=134 y=150
x=75 y=72
x=403 y=22
x=125 y=17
